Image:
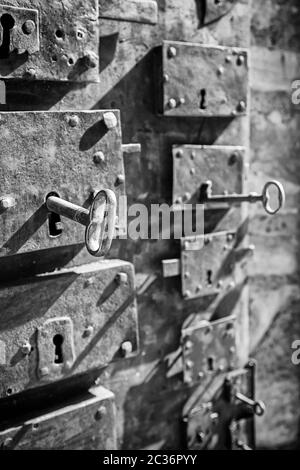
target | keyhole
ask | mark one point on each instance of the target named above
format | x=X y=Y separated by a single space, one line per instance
x=54 y=221
x=210 y=363
x=209 y=277
x=203 y=99
x=58 y=355
x=7 y=23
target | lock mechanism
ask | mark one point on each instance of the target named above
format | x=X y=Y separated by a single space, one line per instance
x=206 y=196
x=99 y=220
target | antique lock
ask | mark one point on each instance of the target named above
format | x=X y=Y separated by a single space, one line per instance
x=55 y=326
x=56 y=40
x=57 y=168
x=201 y=81
x=86 y=422
x=222 y=417
x=195 y=166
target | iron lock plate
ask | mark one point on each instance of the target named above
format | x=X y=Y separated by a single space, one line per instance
x=88 y=423
x=198 y=80
x=72 y=154
x=211 y=418
x=56 y=40
x=206 y=264
x=194 y=165
x=208 y=349
x=62 y=324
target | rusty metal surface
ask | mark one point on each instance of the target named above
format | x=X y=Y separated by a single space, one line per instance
x=24 y=36
x=202 y=81
x=91 y=307
x=214 y=420
x=42 y=152
x=86 y=423
x=208 y=348
x=193 y=165
x=207 y=270
x=69 y=41
x=138 y=11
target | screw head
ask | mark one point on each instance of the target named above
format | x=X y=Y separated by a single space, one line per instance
x=100 y=413
x=7 y=202
x=26 y=348
x=121 y=279
x=73 y=121
x=126 y=348
x=241 y=107
x=99 y=157
x=172 y=103
x=172 y=52
x=110 y=120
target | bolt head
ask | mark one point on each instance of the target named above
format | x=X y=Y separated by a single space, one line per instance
x=99 y=157
x=126 y=348
x=172 y=103
x=73 y=121
x=181 y=101
x=110 y=120
x=28 y=27
x=7 y=202
x=172 y=52
x=26 y=348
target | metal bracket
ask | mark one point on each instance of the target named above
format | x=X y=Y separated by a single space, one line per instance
x=208 y=349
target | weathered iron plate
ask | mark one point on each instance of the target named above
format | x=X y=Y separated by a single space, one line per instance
x=211 y=418
x=203 y=80
x=43 y=152
x=69 y=41
x=89 y=423
x=96 y=300
x=208 y=348
x=137 y=11
x=208 y=270
x=24 y=36
x=193 y=165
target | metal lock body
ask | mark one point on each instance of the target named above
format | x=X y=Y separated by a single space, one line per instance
x=202 y=81
x=86 y=423
x=208 y=349
x=56 y=40
x=215 y=419
x=207 y=266
x=193 y=165
x=71 y=155
x=57 y=325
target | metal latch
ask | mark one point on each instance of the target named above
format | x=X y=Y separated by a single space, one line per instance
x=19 y=31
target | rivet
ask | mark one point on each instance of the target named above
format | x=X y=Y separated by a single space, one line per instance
x=100 y=413
x=179 y=153
x=189 y=364
x=228 y=59
x=214 y=417
x=172 y=52
x=229 y=237
x=187 y=294
x=88 y=331
x=121 y=279
x=126 y=348
x=241 y=107
x=221 y=70
x=44 y=371
x=68 y=365
x=199 y=288
x=166 y=78
x=120 y=179
x=187 y=196
x=192 y=171
x=7 y=202
x=172 y=103
x=26 y=348
x=188 y=344
x=186 y=275
x=28 y=27
x=181 y=101
x=240 y=60
x=231 y=285
x=99 y=157
x=200 y=375
x=110 y=120
x=193 y=155
x=73 y=121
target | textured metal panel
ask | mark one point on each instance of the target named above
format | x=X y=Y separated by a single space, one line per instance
x=193 y=165
x=69 y=42
x=99 y=300
x=43 y=152
x=214 y=419
x=208 y=270
x=87 y=423
x=138 y=11
x=209 y=348
x=203 y=80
